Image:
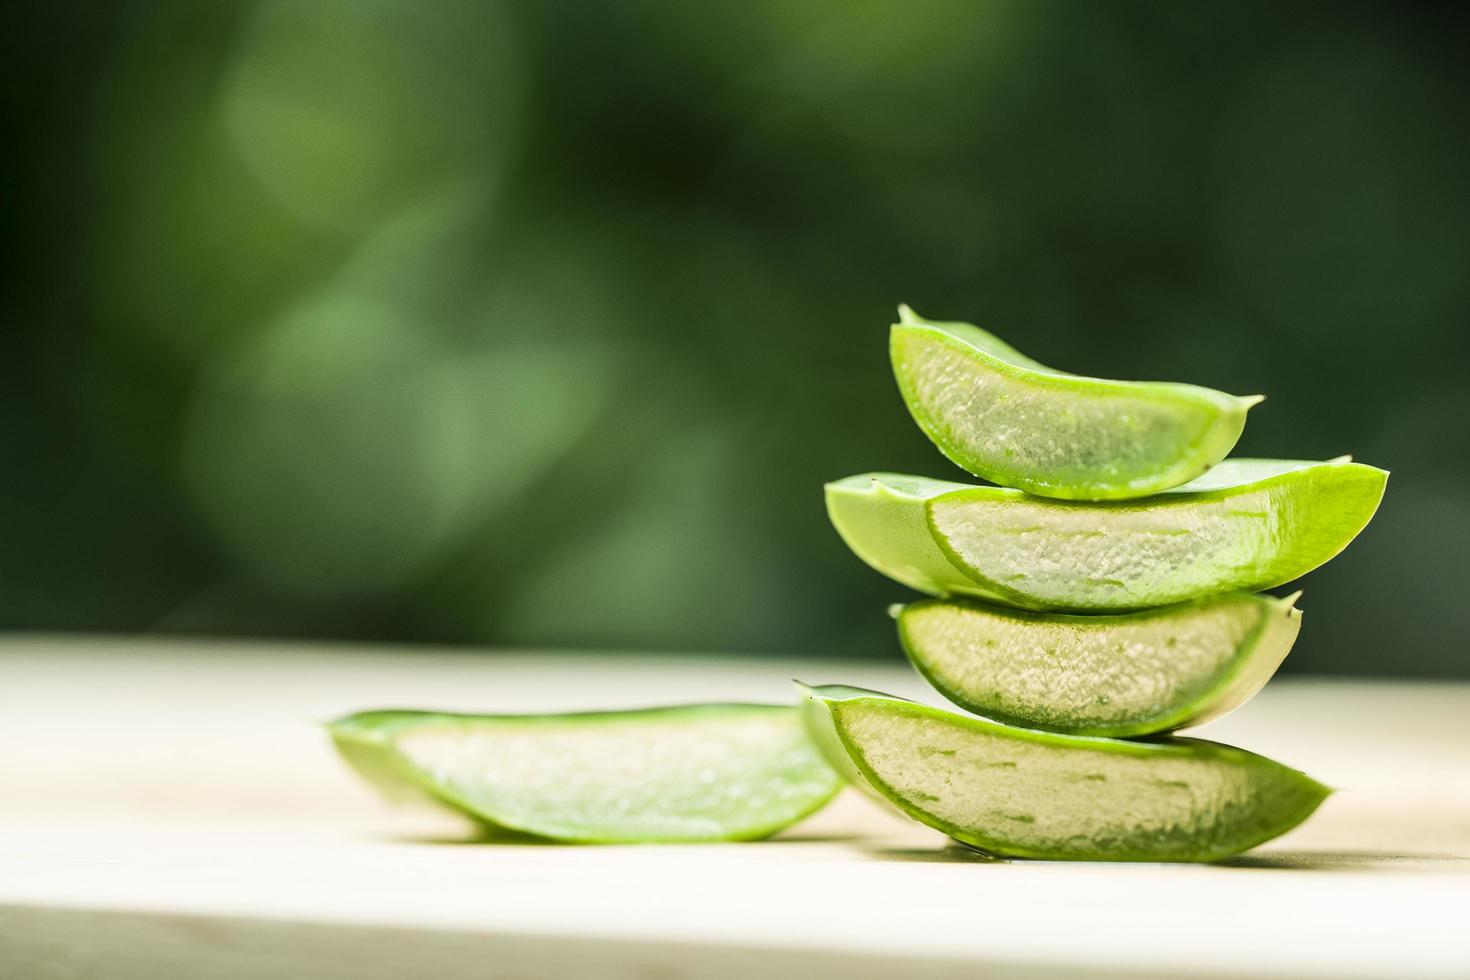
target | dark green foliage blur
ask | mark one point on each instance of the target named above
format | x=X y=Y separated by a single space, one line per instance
x=542 y=323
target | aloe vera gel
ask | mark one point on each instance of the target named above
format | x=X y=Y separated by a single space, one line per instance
x=716 y=772
x=1105 y=590
x=1117 y=675
x=1013 y=792
x=1249 y=524
x=1007 y=418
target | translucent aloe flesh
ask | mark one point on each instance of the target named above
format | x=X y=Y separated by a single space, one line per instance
x=692 y=773
x=1247 y=525
x=1000 y=415
x=1018 y=793
x=1114 y=675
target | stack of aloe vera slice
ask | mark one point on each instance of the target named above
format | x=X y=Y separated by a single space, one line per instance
x=1103 y=594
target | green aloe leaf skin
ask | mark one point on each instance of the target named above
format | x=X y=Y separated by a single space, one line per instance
x=1109 y=675
x=1004 y=417
x=1245 y=526
x=1014 y=792
x=712 y=772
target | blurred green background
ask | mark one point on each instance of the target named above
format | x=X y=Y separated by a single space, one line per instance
x=542 y=323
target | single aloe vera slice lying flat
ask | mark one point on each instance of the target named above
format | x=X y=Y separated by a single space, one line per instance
x=1247 y=525
x=1020 y=793
x=1004 y=417
x=709 y=772
x=1115 y=675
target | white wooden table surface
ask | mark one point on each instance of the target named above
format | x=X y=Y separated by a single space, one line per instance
x=170 y=809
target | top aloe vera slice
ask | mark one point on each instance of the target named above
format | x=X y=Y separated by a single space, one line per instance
x=1002 y=416
x=1014 y=792
x=1247 y=525
x=711 y=772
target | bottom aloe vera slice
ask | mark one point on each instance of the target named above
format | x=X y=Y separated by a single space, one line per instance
x=1014 y=792
x=1115 y=675
x=708 y=772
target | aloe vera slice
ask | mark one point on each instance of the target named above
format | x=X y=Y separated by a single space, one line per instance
x=712 y=772
x=1247 y=525
x=1018 y=793
x=1114 y=675
x=1000 y=415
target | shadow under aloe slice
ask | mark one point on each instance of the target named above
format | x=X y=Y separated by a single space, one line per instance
x=1112 y=675
x=1005 y=417
x=712 y=772
x=1014 y=792
x=1247 y=525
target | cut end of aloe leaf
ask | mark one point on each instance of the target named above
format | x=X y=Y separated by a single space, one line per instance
x=681 y=774
x=1019 y=793
x=1245 y=526
x=881 y=518
x=1012 y=420
x=1110 y=675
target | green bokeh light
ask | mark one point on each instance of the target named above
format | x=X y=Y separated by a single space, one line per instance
x=338 y=107
x=544 y=322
